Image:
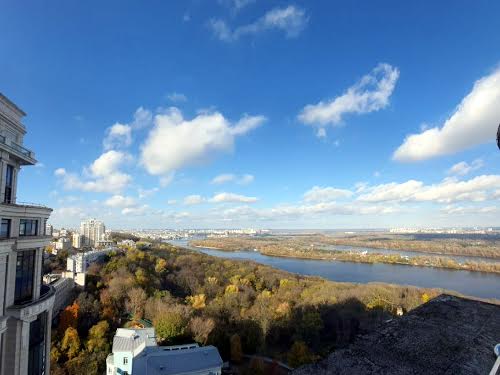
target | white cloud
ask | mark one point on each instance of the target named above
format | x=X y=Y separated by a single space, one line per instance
x=469 y=210
x=120 y=201
x=232 y=198
x=144 y=193
x=463 y=168
x=175 y=142
x=474 y=122
x=136 y=211
x=449 y=190
x=118 y=135
x=229 y=177
x=142 y=119
x=177 y=97
x=291 y=20
x=172 y=201
x=371 y=93
x=103 y=175
x=236 y=5
x=325 y=194
x=193 y=199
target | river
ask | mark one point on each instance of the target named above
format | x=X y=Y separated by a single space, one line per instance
x=477 y=284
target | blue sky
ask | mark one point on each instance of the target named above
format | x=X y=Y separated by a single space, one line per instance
x=301 y=109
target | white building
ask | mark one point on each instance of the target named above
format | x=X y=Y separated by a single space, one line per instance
x=77 y=264
x=135 y=352
x=49 y=229
x=62 y=243
x=127 y=243
x=77 y=240
x=25 y=303
x=92 y=231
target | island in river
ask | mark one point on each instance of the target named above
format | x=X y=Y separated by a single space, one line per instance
x=315 y=247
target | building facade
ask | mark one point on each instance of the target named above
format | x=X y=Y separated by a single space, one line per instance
x=92 y=231
x=77 y=240
x=25 y=302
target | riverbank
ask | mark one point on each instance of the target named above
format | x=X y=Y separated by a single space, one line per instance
x=272 y=247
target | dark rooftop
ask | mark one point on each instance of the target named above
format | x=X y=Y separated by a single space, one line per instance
x=448 y=335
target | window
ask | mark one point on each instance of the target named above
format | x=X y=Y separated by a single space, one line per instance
x=45 y=227
x=28 y=227
x=25 y=272
x=125 y=360
x=5 y=228
x=36 y=359
x=9 y=178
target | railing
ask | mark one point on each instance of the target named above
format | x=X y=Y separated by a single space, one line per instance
x=16 y=147
x=46 y=291
x=21 y=149
x=21 y=203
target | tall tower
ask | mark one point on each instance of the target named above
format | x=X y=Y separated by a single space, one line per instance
x=25 y=302
x=92 y=231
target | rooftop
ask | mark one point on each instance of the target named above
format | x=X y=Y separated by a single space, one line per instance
x=163 y=361
x=448 y=335
x=127 y=340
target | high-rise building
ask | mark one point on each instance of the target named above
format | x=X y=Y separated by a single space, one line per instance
x=92 y=230
x=77 y=240
x=25 y=302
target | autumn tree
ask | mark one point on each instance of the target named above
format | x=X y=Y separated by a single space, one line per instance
x=236 y=351
x=198 y=301
x=299 y=354
x=135 y=302
x=71 y=342
x=97 y=339
x=256 y=366
x=68 y=318
x=201 y=328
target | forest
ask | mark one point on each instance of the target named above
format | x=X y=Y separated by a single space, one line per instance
x=307 y=247
x=241 y=307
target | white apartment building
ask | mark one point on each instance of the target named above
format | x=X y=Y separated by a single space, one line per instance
x=77 y=240
x=25 y=302
x=49 y=229
x=135 y=352
x=92 y=231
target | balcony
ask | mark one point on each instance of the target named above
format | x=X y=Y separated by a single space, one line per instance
x=30 y=309
x=26 y=156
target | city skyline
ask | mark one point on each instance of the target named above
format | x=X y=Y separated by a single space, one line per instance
x=286 y=115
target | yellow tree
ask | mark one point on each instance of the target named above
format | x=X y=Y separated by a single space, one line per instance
x=71 y=342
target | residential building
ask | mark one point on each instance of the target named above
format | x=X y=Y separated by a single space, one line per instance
x=135 y=352
x=92 y=230
x=76 y=265
x=49 y=229
x=25 y=302
x=127 y=243
x=62 y=243
x=77 y=240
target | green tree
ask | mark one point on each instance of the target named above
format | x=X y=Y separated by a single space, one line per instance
x=71 y=342
x=169 y=326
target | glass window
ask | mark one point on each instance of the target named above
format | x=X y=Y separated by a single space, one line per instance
x=9 y=178
x=25 y=272
x=125 y=360
x=36 y=359
x=5 y=228
x=28 y=227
